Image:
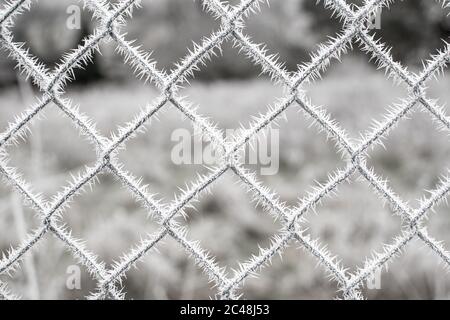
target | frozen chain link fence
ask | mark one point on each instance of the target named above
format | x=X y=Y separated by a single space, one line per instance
x=112 y=18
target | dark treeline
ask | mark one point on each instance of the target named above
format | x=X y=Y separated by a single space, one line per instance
x=292 y=28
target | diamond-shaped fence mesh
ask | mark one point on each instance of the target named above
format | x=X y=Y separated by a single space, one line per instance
x=112 y=17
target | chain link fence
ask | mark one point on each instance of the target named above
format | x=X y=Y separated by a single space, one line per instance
x=112 y=17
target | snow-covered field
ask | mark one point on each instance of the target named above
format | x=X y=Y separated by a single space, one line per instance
x=351 y=224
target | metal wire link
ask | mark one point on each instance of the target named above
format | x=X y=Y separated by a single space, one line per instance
x=113 y=18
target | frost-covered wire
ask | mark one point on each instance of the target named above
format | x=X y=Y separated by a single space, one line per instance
x=113 y=17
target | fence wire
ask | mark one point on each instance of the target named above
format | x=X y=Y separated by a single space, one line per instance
x=112 y=17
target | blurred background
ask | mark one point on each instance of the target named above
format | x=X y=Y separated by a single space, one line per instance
x=229 y=90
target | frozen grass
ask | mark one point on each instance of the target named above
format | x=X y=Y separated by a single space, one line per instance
x=353 y=223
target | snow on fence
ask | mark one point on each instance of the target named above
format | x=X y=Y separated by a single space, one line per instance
x=112 y=18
